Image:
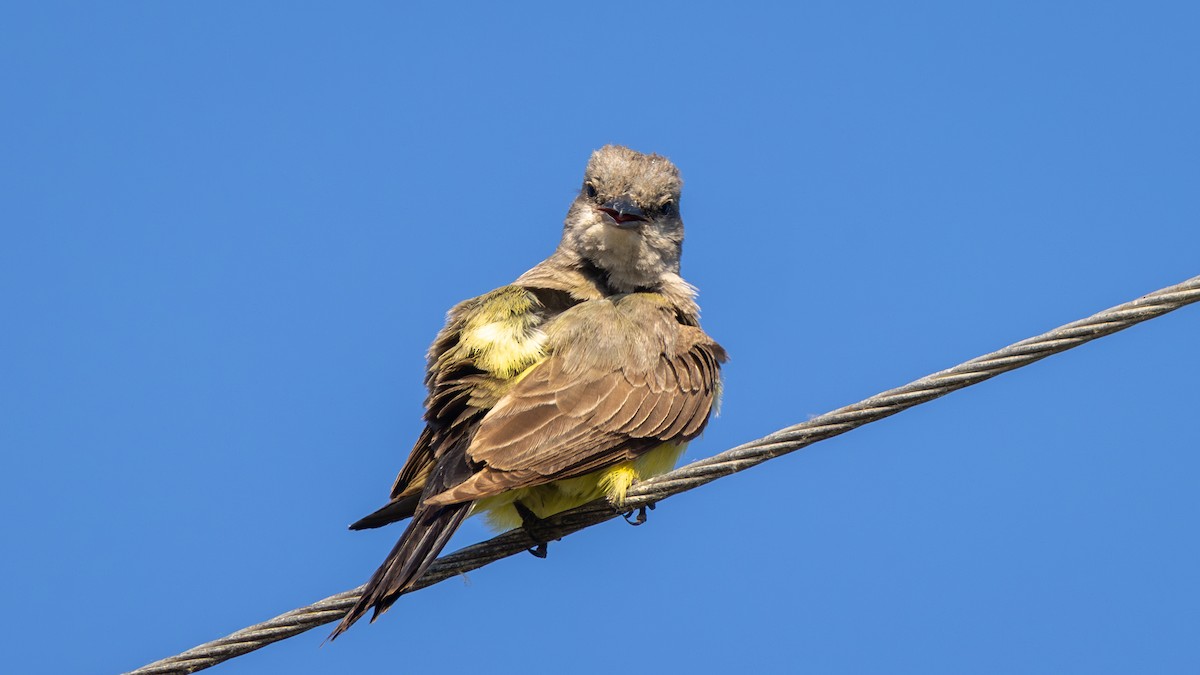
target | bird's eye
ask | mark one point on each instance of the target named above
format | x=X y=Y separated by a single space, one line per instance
x=589 y=190
x=669 y=207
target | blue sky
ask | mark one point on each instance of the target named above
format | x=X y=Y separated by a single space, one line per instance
x=230 y=231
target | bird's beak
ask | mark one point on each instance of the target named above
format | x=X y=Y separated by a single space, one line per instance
x=624 y=213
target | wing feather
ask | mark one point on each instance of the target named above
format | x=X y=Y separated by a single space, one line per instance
x=602 y=415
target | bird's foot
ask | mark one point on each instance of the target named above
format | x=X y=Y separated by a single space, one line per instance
x=641 y=515
x=535 y=528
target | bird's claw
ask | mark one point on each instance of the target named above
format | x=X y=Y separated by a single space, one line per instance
x=532 y=524
x=641 y=515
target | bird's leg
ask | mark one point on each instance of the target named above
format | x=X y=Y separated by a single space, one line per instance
x=641 y=515
x=532 y=524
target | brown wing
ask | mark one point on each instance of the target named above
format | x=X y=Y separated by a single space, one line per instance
x=462 y=388
x=561 y=421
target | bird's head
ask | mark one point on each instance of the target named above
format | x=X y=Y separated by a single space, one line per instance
x=626 y=221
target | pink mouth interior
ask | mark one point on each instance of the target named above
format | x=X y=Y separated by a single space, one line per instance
x=621 y=217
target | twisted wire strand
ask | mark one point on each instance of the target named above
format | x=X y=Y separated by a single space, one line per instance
x=704 y=471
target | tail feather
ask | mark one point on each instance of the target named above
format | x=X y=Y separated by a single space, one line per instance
x=426 y=536
x=397 y=509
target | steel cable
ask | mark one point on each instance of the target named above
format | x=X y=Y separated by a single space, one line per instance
x=704 y=471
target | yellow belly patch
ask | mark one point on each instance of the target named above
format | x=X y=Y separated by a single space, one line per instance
x=562 y=495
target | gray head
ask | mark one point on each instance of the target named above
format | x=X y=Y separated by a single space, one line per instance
x=626 y=221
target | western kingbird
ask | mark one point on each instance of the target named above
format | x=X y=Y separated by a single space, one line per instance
x=587 y=373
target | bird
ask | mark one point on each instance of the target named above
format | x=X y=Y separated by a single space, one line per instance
x=587 y=373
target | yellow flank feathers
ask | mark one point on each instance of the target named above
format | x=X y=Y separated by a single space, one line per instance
x=562 y=495
x=501 y=335
x=615 y=482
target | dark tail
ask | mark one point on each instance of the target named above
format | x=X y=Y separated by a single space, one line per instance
x=397 y=509
x=420 y=544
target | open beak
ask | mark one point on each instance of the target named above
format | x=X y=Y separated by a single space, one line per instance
x=624 y=213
